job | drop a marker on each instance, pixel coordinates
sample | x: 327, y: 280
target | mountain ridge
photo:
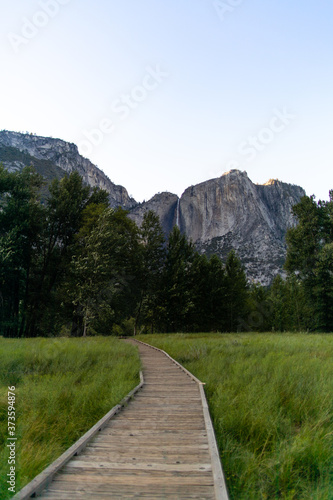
x: 231, y: 212
x: 66, y: 156
x: 218, y: 215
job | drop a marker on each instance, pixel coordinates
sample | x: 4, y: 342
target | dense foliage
x: 69, y: 264
x: 304, y: 300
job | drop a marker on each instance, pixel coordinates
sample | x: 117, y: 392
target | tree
x: 324, y: 288
x: 208, y: 290
x: 304, y: 240
x: 236, y: 295
x: 152, y: 245
x: 218, y: 295
x: 175, y: 298
x: 199, y: 317
x: 280, y: 306
x: 259, y: 310
x: 63, y: 217
x: 21, y: 223
x: 104, y: 269
x: 36, y: 238
x: 309, y: 257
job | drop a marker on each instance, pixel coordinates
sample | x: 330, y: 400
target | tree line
x: 69, y: 264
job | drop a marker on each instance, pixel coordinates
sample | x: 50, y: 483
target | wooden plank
x: 158, y: 447
x: 176, y: 363
x: 129, y: 494
x: 39, y: 483
x: 142, y: 458
x: 109, y: 431
x: 150, y: 441
x: 104, y: 479
x: 105, y: 465
x: 221, y: 491
x: 133, y: 491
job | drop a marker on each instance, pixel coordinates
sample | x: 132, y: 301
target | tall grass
x: 271, y: 400
x: 63, y: 387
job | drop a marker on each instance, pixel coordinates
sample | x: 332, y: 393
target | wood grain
x: 157, y: 447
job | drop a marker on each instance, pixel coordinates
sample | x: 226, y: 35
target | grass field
x: 271, y: 400
x: 63, y: 387
x: 270, y: 397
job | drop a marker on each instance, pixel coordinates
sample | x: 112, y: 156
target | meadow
x: 62, y: 387
x: 270, y: 398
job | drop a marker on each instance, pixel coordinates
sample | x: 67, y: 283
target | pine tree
x: 152, y: 261
x: 175, y: 299
x: 236, y: 295
x: 21, y: 224
x: 309, y: 257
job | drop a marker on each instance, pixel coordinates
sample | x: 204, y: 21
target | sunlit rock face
x: 233, y: 213
x: 65, y: 156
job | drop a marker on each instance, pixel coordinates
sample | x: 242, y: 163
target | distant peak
x: 271, y: 182
x: 234, y: 171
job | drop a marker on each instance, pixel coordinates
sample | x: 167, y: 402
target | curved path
x: 156, y: 448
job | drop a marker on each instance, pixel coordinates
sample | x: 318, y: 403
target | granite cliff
x: 63, y: 157
x: 230, y: 212
x: 164, y: 205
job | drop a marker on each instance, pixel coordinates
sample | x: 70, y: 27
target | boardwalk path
x: 157, y: 447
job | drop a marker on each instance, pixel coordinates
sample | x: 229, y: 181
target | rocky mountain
x: 230, y: 212
x: 54, y: 158
x: 164, y: 205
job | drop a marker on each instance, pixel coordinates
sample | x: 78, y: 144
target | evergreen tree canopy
x: 236, y: 285
x: 310, y: 257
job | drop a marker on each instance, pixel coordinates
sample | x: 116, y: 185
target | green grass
x: 63, y: 387
x: 271, y: 401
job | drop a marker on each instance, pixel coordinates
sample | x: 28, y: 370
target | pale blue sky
x: 192, y: 89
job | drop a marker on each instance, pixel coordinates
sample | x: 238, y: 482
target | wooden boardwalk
x: 157, y: 447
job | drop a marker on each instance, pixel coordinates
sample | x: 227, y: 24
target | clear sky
x: 164, y: 94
